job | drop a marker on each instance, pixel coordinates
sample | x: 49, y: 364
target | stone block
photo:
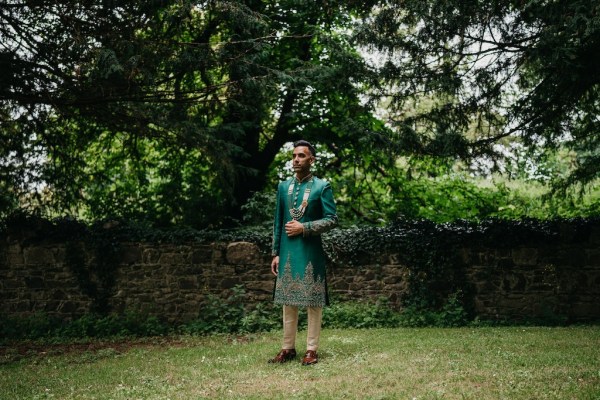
x: 185, y: 270
x: 38, y: 255
x: 481, y: 274
x: 14, y: 248
x: 136, y: 273
x: 369, y: 276
x: 12, y: 284
x: 228, y: 283
x: 517, y: 303
x: 593, y: 257
x: 594, y: 282
x: 188, y: 316
x: 595, y: 235
x: 188, y: 283
x: 62, y: 275
x: 465, y: 255
x: 243, y: 253
x: 525, y: 256
x: 22, y: 306
x: 250, y: 270
x: 392, y: 270
x: 51, y: 306
x: 395, y: 259
x: 218, y: 255
x: 585, y: 311
x: 172, y: 259
x: 390, y: 280
x: 514, y: 283
x: 69, y: 307
x: 60, y: 253
x: 479, y: 258
x: 202, y: 255
x: 220, y: 270
x: 503, y: 253
x: 260, y: 286
x: 14, y: 255
x: 578, y: 281
x: 131, y: 254
x: 150, y: 256
x: 35, y: 282
x: 505, y: 263
x: 572, y: 257
x: 340, y: 286
x: 58, y: 295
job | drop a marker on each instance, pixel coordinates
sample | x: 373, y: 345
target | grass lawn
x: 407, y: 363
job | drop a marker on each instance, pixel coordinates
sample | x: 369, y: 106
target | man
x: 305, y: 209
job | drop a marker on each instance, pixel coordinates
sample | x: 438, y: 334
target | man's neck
x: 302, y: 175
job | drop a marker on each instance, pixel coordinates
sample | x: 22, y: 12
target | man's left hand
x: 294, y: 228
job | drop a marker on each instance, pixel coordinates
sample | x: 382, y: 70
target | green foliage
x: 41, y: 326
x: 176, y: 115
x: 264, y: 317
x: 225, y: 316
x: 95, y: 278
x: 231, y: 316
x: 377, y: 192
x: 451, y: 314
x: 353, y: 314
x: 179, y: 115
x: 470, y: 80
x: 127, y: 324
x: 259, y: 209
x: 219, y: 314
x: 33, y: 327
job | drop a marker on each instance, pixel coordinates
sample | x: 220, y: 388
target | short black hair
x: 307, y: 144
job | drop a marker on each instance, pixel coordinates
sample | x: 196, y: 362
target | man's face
x: 302, y: 159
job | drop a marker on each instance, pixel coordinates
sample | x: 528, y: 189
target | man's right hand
x: 275, y: 265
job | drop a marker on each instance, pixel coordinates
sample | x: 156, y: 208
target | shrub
x: 452, y: 314
x: 220, y: 315
x: 41, y: 326
x: 360, y: 315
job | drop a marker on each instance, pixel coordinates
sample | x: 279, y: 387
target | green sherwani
x: 301, y: 279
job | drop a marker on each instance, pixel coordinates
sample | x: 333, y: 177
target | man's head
x: 303, y: 157
x: 311, y: 148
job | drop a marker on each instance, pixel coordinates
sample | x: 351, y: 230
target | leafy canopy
x: 178, y: 111
x: 463, y: 76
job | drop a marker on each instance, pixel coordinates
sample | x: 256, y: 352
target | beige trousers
x: 290, y: 327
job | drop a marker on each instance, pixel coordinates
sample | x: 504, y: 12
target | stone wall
x: 546, y: 281
x: 172, y: 281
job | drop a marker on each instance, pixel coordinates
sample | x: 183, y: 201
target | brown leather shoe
x: 284, y: 355
x: 310, y: 358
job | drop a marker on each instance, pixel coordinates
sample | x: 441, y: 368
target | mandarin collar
x: 305, y: 179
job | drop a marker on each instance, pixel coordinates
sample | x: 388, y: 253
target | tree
x: 462, y: 76
x: 176, y: 111
x: 114, y: 102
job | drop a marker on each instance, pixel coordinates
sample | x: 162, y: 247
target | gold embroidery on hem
x: 297, y: 291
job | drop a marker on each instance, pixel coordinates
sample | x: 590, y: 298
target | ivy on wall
x: 94, y: 260
x: 433, y: 251
x: 92, y: 253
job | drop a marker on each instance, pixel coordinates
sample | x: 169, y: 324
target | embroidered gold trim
x: 297, y: 291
